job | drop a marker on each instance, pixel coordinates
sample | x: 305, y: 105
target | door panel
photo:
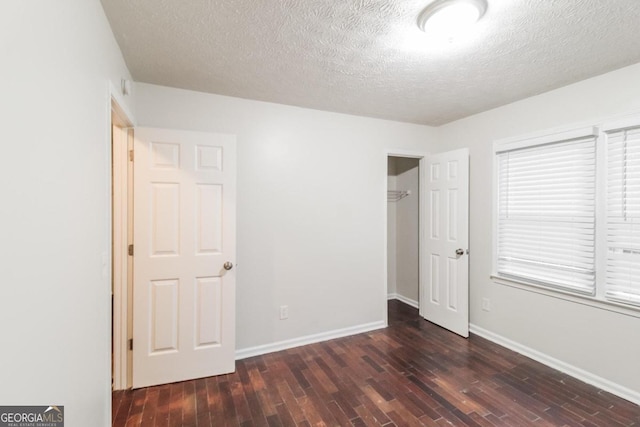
x: 445, y: 300
x: 184, y: 231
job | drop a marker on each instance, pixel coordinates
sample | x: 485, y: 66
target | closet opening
x: 403, y: 229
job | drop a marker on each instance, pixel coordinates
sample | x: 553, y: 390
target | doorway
x: 403, y: 229
x: 427, y: 235
x: 121, y: 235
x: 179, y: 322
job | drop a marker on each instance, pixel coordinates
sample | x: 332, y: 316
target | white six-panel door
x: 444, y: 296
x: 184, y: 232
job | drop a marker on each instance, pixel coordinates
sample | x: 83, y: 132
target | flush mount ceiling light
x: 450, y: 18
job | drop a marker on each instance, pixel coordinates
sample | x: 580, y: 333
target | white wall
x: 600, y: 342
x: 57, y: 59
x: 311, y: 207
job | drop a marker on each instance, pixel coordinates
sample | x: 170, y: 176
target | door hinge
x: 131, y: 155
x: 130, y: 343
x: 130, y: 250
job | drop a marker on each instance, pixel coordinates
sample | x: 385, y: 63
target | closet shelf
x: 395, y: 195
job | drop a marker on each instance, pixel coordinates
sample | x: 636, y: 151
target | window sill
x: 567, y: 296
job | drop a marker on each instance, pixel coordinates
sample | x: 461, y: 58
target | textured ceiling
x: 367, y: 57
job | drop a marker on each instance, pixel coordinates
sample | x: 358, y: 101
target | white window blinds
x: 623, y: 216
x: 546, y: 214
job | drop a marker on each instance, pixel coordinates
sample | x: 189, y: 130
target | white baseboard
x: 308, y: 339
x: 581, y: 374
x: 412, y: 303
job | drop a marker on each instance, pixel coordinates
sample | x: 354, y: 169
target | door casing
x: 120, y: 199
x: 422, y: 158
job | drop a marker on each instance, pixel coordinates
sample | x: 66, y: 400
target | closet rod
x: 395, y: 195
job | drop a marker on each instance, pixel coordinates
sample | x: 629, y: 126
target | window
x: 623, y: 215
x: 547, y: 228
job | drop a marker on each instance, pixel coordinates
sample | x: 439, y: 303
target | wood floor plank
x: 175, y: 405
x: 290, y: 402
x: 424, y: 407
x: 485, y: 401
x: 189, y: 404
x: 215, y: 398
x: 257, y: 414
x: 285, y: 415
x: 116, y: 399
x: 162, y: 410
x: 310, y: 412
x: 412, y: 373
x: 203, y: 417
x: 150, y: 408
x: 126, y: 400
x: 345, y: 405
x: 229, y: 414
x: 481, y: 420
x: 341, y: 418
x: 135, y: 412
x: 274, y: 420
x: 375, y: 410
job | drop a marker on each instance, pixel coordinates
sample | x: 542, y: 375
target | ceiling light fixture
x: 450, y: 18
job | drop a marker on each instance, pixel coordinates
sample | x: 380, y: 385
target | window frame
x: 598, y: 129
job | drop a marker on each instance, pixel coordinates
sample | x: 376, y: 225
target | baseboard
x: 581, y: 374
x: 308, y: 339
x: 412, y: 303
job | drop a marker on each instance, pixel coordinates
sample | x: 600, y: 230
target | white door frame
x: 119, y: 237
x: 422, y: 157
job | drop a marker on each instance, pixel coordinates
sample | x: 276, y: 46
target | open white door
x: 184, y: 233
x: 444, y: 296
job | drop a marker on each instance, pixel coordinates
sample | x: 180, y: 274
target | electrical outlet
x: 486, y: 304
x: 284, y: 312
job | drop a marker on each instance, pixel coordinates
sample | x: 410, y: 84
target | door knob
x: 227, y: 265
x: 459, y: 252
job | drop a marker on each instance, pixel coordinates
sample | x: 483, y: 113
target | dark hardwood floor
x: 412, y: 373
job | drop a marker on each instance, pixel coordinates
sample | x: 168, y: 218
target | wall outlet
x: 486, y: 304
x: 284, y: 312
